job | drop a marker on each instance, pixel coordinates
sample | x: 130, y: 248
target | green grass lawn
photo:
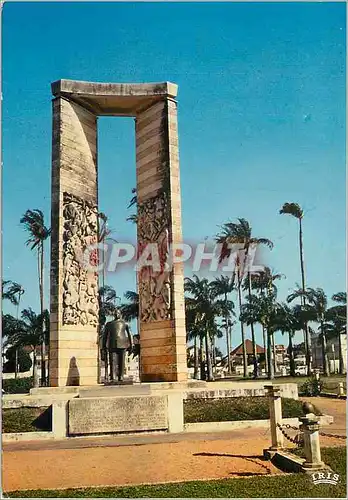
x: 27, y: 419
x: 241, y: 408
x: 286, y: 486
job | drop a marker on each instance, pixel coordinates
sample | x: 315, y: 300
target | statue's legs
x: 117, y: 364
x: 121, y: 362
x: 113, y: 366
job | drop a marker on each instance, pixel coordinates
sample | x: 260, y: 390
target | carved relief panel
x: 80, y: 285
x: 154, y: 280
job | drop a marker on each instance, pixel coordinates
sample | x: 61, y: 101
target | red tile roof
x: 248, y: 347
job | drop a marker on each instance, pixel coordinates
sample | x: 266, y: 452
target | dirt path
x: 334, y: 407
x: 102, y: 464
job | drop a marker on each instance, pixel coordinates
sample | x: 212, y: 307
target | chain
x: 338, y: 436
x: 288, y: 426
x: 298, y: 439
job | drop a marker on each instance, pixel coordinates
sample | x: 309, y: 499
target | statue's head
x: 118, y: 314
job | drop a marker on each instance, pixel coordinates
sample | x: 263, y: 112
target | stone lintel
x: 114, y: 99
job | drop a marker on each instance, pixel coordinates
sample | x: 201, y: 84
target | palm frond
x: 293, y: 209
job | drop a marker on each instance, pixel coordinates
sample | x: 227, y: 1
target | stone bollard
x: 340, y: 389
x: 275, y: 415
x: 310, y: 428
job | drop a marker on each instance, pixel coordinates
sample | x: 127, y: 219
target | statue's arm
x: 130, y: 338
x: 105, y: 337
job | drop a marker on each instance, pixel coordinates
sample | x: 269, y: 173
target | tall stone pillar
x: 162, y: 312
x: 74, y: 306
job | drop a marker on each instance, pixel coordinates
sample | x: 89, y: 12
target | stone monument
x: 74, y: 289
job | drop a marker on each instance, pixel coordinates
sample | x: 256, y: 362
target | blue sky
x: 261, y: 108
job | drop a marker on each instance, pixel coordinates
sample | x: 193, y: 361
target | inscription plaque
x: 118, y: 414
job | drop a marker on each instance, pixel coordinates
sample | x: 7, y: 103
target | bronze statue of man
x: 116, y: 340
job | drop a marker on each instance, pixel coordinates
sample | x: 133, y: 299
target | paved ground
x: 334, y: 407
x: 147, y: 459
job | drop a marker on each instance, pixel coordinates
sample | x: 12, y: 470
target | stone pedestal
x: 340, y: 389
x: 310, y: 428
x: 275, y: 415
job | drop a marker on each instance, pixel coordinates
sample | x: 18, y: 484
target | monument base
x: 119, y: 382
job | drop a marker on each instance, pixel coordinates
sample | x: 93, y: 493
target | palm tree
x: 336, y: 324
x: 296, y: 211
x: 263, y: 309
x: 194, y: 331
x: 264, y: 282
x: 11, y: 291
x: 208, y: 308
x: 30, y: 332
x: 107, y: 303
x: 130, y: 310
x: 224, y: 286
x: 10, y: 328
x: 103, y: 236
x: 240, y: 233
x: 290, y: 320
x: 34, y: 224
x: 134, y: 200
x: 314, y: 308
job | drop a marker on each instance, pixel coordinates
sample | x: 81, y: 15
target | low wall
x: 237, y: 390
x: 9, y: 376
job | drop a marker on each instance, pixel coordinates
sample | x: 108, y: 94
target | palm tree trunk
x: 264, y: 338
x: 230, y: 338
x: 228, y: 346
x: 274, y: 355
x: 208, y: 357
x: 35, y: 374
x: 324, y: 353
x: 340, y: 356
x: 196, y: 359
x: 270, y: 370
x: 265, y: 347
x: 201, y: 348
x: 303, y: 300
x: 253, y: 334
x: 16, y: 352
x: 291, y: 356
x: 228, y: 349
x: 43, y: 346
x: 16, y: 362
x: 245, y: 361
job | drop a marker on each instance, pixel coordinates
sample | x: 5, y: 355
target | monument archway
x: 73, y: 356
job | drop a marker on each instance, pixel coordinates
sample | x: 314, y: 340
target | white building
x: 332, y: 352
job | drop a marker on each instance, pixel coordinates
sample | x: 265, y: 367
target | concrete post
x: 310, y: 428
x: 60, y: 419
x: 275, y: 415
x: 340, y: 389
x: 175, y: 412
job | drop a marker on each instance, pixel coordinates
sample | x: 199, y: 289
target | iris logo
x: 325, y: 478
